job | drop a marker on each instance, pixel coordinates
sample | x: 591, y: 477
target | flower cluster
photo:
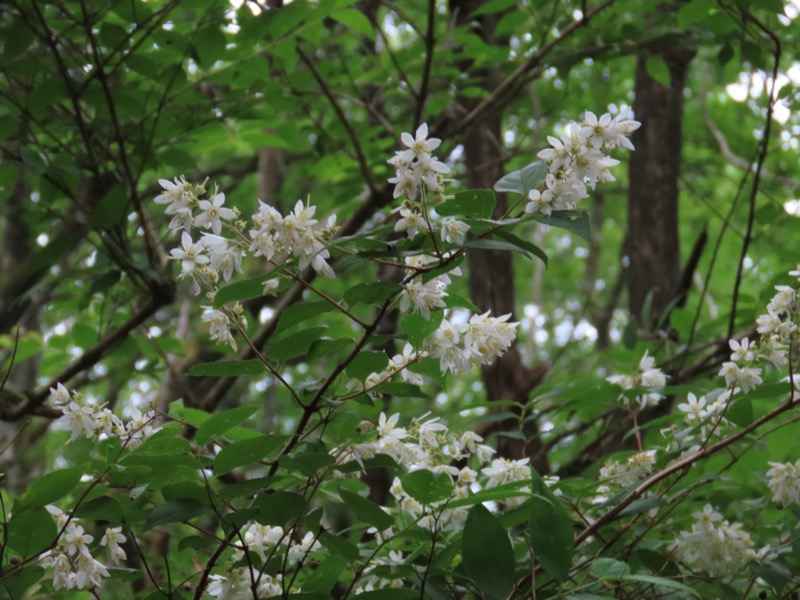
x: 428, y: 445
x: 784, y: 483
x: 705, y: 412
x: 777, y: 327
x: 578, y: 160
x: 276, y: 237
x: 238, y: 585
x: 616, y: 475
x: 72, y: 562
x: 416, y: 165
x: 646, y: 376
x: 424, y: 296
x: 714, y: 545
x: 418, y: 181
x: 739, y: 372
x: 85, y: 418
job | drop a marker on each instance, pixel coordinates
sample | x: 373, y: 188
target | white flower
x: 410, y: 222
x: 113, y: 538
x: 387, y: 429
x: 714, y: 545
x: 213, y: 212
x: 744, y: 351
x: 219, y: 326
x: 454, y: 231
x: 420, y: 145
x: 694, y: 409
x: 784, y: 483
x: 60, y: 394
x: 76, y: 541
x: 271, y: 286
x: 423, y: 296
x: 191, y: 255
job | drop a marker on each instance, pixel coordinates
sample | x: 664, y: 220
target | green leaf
x: 324, y: 577
x: 662, y: 582
x: 552, y: 538
x: 777, y: 575
x: 693, y: 12
x: 609, y: 569
x: 297, y: 313
x: 279, y: 508
x: 17, y: 585
x: 339, y: 546
x: 307, y: 464
x: 51, y: 487
x: 453, y: 300
x: 658, y: 70
x: 175, y: 511
x: 487, y: 554
x: 575, y: 221
x: 522, y: 244
x: 371, y: 293
x: 354, y: 20
x: 228, y: 368
x: 288, y: 346
x: 366, y: 510
x: 366, y: 363
x: 472, y: 203
x: 241, y: 290
x: 390, y: 594
x: 524, y: 180
x: 247, y: 452
x: 31, y: 531
x: 417, y: 328
x: 112, y: 208
x: 222, y: 422
x: 426, y: 487
x: 102, y: 508
x: 489, y: 244
x: 741, y: 412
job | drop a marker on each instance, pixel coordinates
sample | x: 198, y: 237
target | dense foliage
x: 255, y: 336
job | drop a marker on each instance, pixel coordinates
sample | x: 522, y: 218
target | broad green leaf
x: 228, y: 368
x: 609, y: 569
x: 453, y: 300
x: 112, y: 208
x: 17, y: 585
x: 490, y: 244
x: 366, y: 510
x: 776, y: 574
x: 552, y: 538
x: 390, y: 594
x: 663, y: 582
x: 31, y: 531
x: 220, y: 423
x: 279, y: 508
x: 740, y: 412
x: 487, y: 555
x: 339, y: 546
x: 174, y: 511
x: 524, y: 180
x: 426, y: 487
x: 52, y: 486
x: 241, y: 290
x: 417, y: 328
x: 355, y: 20
x: 365, y: 363
x: 469, y: 203
x: 658, y: 70
x: 576, y: 222
x: 400, y: 389
x: 324, y: 347
x: 371, y: 293
x: 307, y: 464
x: 247, y: 452
x: 324, y: 577
x: 293, y: 344
x: 103, y: 508
x: 522, y: 244
x: 300, y: 312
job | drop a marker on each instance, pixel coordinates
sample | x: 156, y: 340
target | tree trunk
x: 652, y: 243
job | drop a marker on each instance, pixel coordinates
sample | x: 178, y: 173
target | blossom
x: 694, y: 408
x: 213, y: 212
x: 647, y: 376
x: 454, y: 231
x: 784, y: 483
x: 191, y: 255
x: 714, y: 545
x: 113, y: 538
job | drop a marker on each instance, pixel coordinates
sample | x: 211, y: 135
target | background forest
x: 279, y: 101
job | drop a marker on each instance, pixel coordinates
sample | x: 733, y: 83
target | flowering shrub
x: 291, y: 512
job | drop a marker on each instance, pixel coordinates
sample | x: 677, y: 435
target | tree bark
x: 652, y: 245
